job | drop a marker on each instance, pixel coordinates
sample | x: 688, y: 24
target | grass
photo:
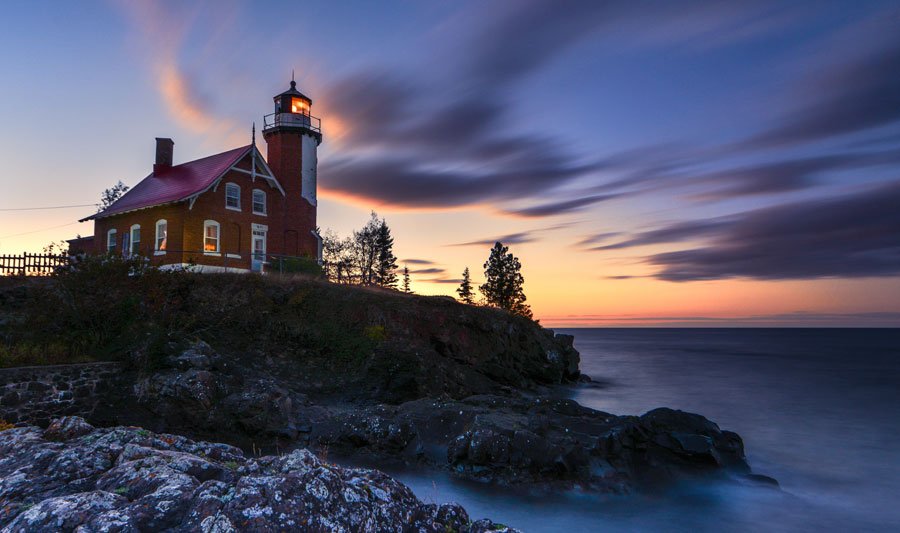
x: 114, y: 308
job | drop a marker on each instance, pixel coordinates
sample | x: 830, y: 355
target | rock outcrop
x: 511, y: 439
x: 73, y: 477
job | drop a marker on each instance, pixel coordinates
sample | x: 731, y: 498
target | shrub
x: 296, y: 265
x: 376, y: 333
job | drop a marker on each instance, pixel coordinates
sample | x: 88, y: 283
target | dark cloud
x: 858, y: 94
x: 451, y: 143
x: 412, y: 183
x: 850, y: 236
x: 433, y: 270
x: 598, y: 238
x: 679, y: 232
x: 417, y: 261
x: 560, y: 208
x: 513, y: 238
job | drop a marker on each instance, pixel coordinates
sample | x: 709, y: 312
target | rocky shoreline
x: 74, y: 477
x: 509, y: 437
x: 373, y: 377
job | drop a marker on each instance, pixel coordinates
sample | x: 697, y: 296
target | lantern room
x: 292, y: 101
x: 292, y: 110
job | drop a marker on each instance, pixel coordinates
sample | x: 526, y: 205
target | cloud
x: 850, y: 236
x: 681, y: 231
x: 598, y: 238
x: 513, y: 238
x: 417, y: 261
x: 451, y: 141
x: 433, y: 270
x: 560, y: 208
x: 164, y: 30
x: 858, y: 94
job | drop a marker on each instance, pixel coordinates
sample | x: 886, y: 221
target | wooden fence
x: 31, y: 264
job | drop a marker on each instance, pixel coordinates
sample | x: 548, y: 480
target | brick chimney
x: 164, y: 149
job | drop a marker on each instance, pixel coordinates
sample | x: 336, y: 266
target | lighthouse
x: 293, y: 136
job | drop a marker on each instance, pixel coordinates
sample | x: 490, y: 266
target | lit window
x: 162, y: 234
x: 299, y: 105
x: 233, y: 196
x: 210, y: 236
x: 111, y: 241
x: 135, y: 239
x: 259, y: 202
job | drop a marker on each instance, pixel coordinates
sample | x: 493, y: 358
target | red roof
x: 176, y: 183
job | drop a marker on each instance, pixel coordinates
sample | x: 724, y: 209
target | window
x: 233, y: 196
x: 210, y: 236
x: 162, y: 233
x: 259, y: 202
x: 111, y: 241
x: 299, y: 105
x: 135, y: 239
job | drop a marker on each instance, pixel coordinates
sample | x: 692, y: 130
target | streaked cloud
x: 850, y: 236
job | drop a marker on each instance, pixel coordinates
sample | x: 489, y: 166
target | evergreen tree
x: 503, y: 282
x: 406, y: 279
x: 386, y: 263
x: 466, y: 294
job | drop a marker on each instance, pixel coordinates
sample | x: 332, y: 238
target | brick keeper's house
x: 231, y: 210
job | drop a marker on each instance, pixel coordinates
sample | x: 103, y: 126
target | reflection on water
x: 818, y: 410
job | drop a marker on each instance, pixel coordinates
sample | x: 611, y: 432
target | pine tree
x: 466, y: 294
x: 503, y: 282
x: 386, y: 262
x: 406, y: 279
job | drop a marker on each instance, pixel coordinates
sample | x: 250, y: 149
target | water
x: 818, y: 409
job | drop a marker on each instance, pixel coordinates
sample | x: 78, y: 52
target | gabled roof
x: 177, y: 183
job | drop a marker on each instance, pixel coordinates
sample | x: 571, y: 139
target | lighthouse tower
x: 293, y: 135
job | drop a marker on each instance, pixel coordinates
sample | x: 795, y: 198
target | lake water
x: 818, y: 409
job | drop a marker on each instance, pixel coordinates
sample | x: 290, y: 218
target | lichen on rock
x: 73, y: 477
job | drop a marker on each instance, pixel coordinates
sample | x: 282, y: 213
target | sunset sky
x: 650, y: 163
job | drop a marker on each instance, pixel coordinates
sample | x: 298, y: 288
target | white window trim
x: 206, y: 224
x: 238, y: 187
x: 114, y: 234
x: 265, y: 203
x: 156, y: 250
x: 131, y: 239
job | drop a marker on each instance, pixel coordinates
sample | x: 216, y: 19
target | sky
x: 650, y: 163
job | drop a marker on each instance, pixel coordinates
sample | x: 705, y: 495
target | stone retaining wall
x: 35, y: 395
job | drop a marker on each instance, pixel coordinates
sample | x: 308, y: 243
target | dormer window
x: 259, y: 202
x: 233, y: 196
